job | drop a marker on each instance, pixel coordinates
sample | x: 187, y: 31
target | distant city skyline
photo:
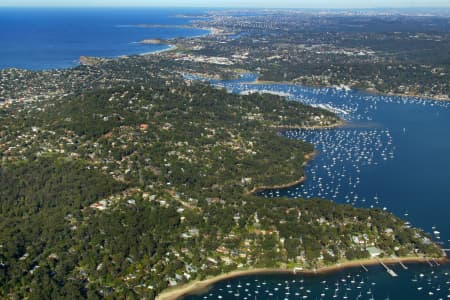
x: 230, y: 3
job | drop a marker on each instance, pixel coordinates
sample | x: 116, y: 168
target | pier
x: 403, y: 265
x: 364, y: 267
x: 389, y: 270
x: 435, y: 261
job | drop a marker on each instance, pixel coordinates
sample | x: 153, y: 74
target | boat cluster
x: 336, y: 172
x: 347, y: 155
x: 351, y: 105
x: 347, y: 287
x: 432, y: 284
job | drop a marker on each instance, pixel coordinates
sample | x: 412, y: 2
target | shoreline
x: 339, y: 123
x: 369, y: 91
x: 377, y: 92
x: 202, y: 285
x: 76, y: 62
x: 199, y: 286
x: 308, y: 157
x: 169, y: 48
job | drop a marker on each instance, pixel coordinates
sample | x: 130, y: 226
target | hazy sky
x: 234, y: 3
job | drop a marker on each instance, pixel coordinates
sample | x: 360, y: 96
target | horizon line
x: 224, y: 7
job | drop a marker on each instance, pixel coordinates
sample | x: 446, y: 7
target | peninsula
x: 121, y: 178
x: 132, y: 189
x: 387, y: 53
x: 200, y: 286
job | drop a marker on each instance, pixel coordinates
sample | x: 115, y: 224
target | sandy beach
x: 211, y: 31
x: 199, y: 286
x: 169, y: 48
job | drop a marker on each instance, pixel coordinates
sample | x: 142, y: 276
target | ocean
x: 49, y: 38
x: 391, y: 154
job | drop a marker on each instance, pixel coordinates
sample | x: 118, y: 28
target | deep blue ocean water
x: 48, y: 38
x: 392, y: 154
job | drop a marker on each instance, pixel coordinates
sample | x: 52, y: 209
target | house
x: 101, y: 205
x: 143, y: 126
x: 374, y: 251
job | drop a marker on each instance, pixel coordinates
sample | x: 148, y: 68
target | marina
x: 389, y: 156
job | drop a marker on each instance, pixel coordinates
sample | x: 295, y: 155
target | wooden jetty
x: 403, y: 265
x: 389, y: 270
x: 436, y: 262
x: 364, y: 267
